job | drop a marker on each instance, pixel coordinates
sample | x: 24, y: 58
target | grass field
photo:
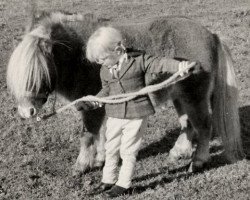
x: 36, y: 159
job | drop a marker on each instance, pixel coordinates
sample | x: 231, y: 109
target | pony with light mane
x: 51, y: 57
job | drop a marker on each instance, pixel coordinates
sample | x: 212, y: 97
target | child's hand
x: 96, y: 104
x: 88, y: 105
x: 185, y: 65
x: 197, y: 68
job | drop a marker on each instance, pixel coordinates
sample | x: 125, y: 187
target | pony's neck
x: 75, y: 75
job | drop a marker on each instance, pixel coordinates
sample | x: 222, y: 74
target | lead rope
x: 120, y: 98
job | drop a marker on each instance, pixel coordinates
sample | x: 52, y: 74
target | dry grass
x: 36, y: 158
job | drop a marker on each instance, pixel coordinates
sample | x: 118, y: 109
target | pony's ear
x: 35, y: 17
x: 46, y: 46
x: 32, y: 9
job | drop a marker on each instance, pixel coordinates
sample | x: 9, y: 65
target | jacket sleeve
x: 154, y: 64
x: 105, y: 87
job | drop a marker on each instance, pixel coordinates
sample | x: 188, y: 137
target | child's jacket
x: 131, y: 78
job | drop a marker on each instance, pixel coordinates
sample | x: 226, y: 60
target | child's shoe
x: 102, y: 187
x: 117, y: 191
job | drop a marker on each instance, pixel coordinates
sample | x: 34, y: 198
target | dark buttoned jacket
x: 131, y: 78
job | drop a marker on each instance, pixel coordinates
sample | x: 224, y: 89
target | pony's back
x: 172, y: 37
x: 175, y: 37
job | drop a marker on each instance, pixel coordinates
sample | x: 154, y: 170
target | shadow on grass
x: 162, y: 146
x: 244, y: 113
x: 165, y: 144
x: 166, y: 177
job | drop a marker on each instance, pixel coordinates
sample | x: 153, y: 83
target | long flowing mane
x: 28, y: 65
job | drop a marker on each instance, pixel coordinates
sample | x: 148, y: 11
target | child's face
x: 109, y: 59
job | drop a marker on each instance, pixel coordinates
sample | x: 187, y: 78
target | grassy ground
x: 36, y: 158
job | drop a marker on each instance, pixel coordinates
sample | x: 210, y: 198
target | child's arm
x: 154, y: 64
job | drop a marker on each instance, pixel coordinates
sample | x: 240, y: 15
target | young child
x: 123, y: 72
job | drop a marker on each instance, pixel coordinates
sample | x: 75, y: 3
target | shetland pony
x: 51, y: 57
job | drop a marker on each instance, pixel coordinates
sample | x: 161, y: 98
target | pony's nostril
x: 32, y: 111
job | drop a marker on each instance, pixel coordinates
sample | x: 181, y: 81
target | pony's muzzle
x: 27, y: 112
x: 32, y: 111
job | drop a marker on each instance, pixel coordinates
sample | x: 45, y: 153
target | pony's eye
x: 43, y: 100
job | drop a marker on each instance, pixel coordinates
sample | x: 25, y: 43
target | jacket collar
x: 126, y: 65
x: 131, y: 53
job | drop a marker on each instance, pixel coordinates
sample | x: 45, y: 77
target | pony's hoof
x: 99, y: 164
x: 172, y: 159
x: 76, y: 173
x: 80, y: 168
x: 196, y: 166
x: 174, y: 156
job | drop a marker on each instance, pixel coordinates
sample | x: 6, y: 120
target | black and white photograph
x: 115, y: 99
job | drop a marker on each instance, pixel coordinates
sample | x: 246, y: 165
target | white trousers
x: 124, y: 135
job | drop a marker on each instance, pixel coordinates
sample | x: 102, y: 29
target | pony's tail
x: 225, y: 105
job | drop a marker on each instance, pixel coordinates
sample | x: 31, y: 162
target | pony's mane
x: 28, y: 67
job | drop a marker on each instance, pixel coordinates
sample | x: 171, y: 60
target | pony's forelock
x: 28, y: 67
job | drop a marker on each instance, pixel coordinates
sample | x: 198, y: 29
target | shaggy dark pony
x: 51, y: 57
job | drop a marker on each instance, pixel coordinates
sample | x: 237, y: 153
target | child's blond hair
x: 103, y: 41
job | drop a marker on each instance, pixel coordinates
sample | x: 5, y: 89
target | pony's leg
x: 100, y: 142
x: 86, y: 157
x: 183, y: 146
x: 92, y: 121
x: 200, y: 119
